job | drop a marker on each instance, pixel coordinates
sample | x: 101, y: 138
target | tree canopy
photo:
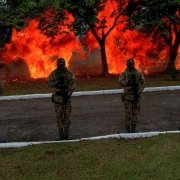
x: 15, y: 13
x: 158, y: 17
x: 153, y: 16
x: 80, y: 17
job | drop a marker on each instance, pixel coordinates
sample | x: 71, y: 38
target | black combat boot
x: 66, y: 132
x: 61, y: 134
x: 133, y: 128
x: 127, y: 128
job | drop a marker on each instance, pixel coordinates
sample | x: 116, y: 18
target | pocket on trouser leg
x: 57, y: 99
x: 129, y: 98
x: 136, y: 109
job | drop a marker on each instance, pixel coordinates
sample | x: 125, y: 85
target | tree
x: 5, y: 29
x: 84, y: 14
x: 9, y: 18
x: 158, y: 17
x: 14, y: 14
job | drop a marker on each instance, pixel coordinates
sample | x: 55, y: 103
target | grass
x: 83, y: 84
x: 110, y: 159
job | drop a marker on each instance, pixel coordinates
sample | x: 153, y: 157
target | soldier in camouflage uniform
x: 1, y: 87
x: 133, y: 83
x: 64, y: 83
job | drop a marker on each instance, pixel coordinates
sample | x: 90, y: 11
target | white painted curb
x: 118, y: 136
x: 100, y: 92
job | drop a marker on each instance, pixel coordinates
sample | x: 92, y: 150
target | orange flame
x: 40, y: 52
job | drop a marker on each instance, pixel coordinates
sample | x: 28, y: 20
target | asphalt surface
x: 92, y: 115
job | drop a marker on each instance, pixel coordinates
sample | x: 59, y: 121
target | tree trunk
x: 173, y: 50
x: 102, y: 44
x: 103, y: 58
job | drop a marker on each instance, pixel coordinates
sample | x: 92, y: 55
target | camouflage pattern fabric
x: 51, y: 80
x: 123, y: 78
x: 62, y: 109
x: 132, y: 110
x: 1, y: 87
x: 131, y: 105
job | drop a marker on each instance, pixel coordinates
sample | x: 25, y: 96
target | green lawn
x: 39, y: 86
x: 108, y: 159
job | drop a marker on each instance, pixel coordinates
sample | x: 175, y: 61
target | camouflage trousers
x: 132, y: 110
x: 63, y: 111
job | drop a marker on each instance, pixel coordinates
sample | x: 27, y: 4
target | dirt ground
x: 92, y: 115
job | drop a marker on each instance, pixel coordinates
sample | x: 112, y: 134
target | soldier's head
x: 130, y: 63
x: 61, y: 63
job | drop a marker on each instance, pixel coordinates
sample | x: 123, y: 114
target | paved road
x: 92, y: 115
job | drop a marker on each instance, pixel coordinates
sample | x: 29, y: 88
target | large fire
x: 38, y: 53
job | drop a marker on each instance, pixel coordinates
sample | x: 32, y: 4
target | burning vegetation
x: 31, y: 54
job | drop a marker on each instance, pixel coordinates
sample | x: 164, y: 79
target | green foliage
x: 157, y: 17
x: 137, y: 159
x: 78, y: 16
x: 154, y: 14
x: 83, y: 11
x: 14, y: 12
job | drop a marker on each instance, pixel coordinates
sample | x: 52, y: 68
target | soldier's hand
x: 56, y: 84
x: 125, y: 82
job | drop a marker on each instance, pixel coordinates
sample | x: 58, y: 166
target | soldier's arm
x: 142, y: 83
x: 51, y: 81
x: 122, y: 79
x: 72, y: 83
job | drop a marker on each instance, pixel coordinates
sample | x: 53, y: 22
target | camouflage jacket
x: 123, y: 79
x: 52, y: 79
x: 1, y: 87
